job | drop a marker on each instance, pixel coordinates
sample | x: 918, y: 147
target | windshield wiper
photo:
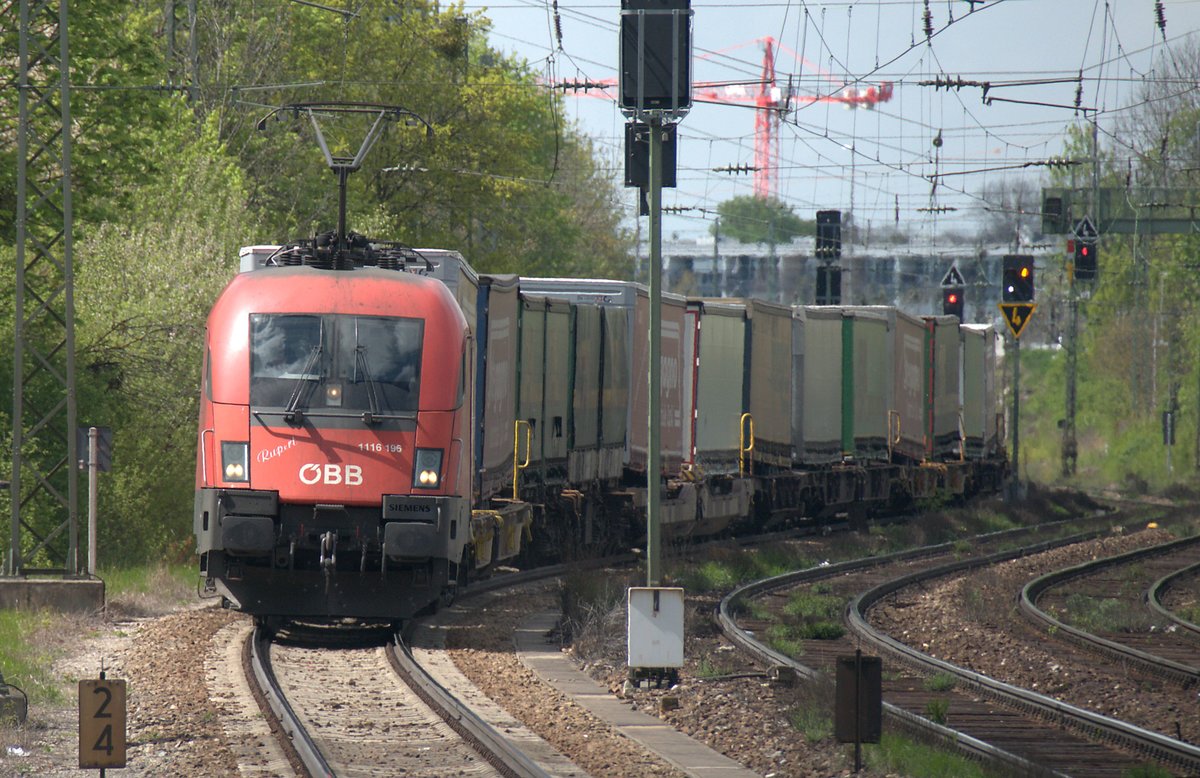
x: 303, y: 388
x: 360, y: 356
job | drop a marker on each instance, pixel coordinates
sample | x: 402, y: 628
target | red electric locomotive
x: 335, y: 453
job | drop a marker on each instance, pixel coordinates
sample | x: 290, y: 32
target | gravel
x: 175, y: 723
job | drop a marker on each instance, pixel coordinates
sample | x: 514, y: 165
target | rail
x: 949, y: 738
x: 1187, y: 675
x: 302, y: 743
x: 493, y: 746
x: 1137, y: 739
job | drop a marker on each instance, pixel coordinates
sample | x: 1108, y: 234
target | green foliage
x: 501, y: 179
x: 167, y: 189
x: 146, y: 288
x: 899, y: 756
x: 812, y: 721
x: 1105, y: 614
x: 936, y: 710
x: 726, y: 568
x: 26, y: 653
x: 786, y: 639
x: 752, y: 219
x: 941, y: 682
x: 710, y: 668
x: 1146, y: 771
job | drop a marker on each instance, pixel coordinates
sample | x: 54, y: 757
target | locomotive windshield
x: 350, y: 364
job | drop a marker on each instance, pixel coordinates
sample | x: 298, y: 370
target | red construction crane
x: 771, y: 100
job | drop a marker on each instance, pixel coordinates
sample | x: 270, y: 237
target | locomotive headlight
x: 333, y: 395
x: 427, y: 468
x: 235, y: 460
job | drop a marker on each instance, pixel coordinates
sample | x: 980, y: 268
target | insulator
x: 557, y: 25
x: 928, y: 21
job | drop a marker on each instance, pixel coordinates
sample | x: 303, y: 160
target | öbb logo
x: 331, y: 475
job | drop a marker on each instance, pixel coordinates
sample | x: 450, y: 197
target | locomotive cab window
x: 337, y: 364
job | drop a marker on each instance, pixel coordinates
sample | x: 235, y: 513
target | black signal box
x: 1017, y: 279
x: 656, y: 55
x: 637, y: 154
x: 829, y: 234
x: 952, y: 301
x: 829, y: 285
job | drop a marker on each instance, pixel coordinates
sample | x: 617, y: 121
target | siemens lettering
x: 331, y: 475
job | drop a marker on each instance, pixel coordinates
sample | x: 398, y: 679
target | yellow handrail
x: 893, y: 439
x: 743, y: 449
x: 518, y: 465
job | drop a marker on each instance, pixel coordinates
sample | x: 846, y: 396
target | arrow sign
x: 1017, y: 315
x: 953, y: 277
x: 1085, y: 230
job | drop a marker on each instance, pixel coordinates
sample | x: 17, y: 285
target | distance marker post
x: 101, y: 723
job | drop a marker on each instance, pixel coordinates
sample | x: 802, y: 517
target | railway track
x: 1163, y: 590
x: 371, y: 710
x: 1127, y: 581
x: 1004, y: 725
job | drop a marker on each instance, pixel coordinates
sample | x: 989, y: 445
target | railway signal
x: 952, y: 301
x: 1086, y: 250
x: 829, y: 285
x: 1017, y: 279
x: 829, y: 234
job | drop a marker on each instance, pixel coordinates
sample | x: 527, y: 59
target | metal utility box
x: 980, y: 420
x: 770, y: 355
x: 716, y: 350
x: 655, y: 627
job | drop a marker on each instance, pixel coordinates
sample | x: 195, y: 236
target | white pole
x: 93, y: 469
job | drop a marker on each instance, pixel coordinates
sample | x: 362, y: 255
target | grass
x: 727, y: 568
x: 936, y: 710
x: 786, y: 639
x: 1146, y: 771
x: 29, y: 644
x: 150, y: 589
x: 941, y: 682
x: 897, y: 755
x: 707, y: 668
x: 1105, y: 614
x: 31, y: 641
x: 812, y: 722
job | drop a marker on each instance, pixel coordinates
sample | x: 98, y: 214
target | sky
x: 881, y: 163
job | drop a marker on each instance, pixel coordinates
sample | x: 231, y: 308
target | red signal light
x: 952, y: 298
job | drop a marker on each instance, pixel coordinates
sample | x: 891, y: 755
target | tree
x: 755, y: 220
x: 144, y: 293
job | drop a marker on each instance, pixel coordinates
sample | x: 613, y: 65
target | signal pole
x: 654, y: 455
